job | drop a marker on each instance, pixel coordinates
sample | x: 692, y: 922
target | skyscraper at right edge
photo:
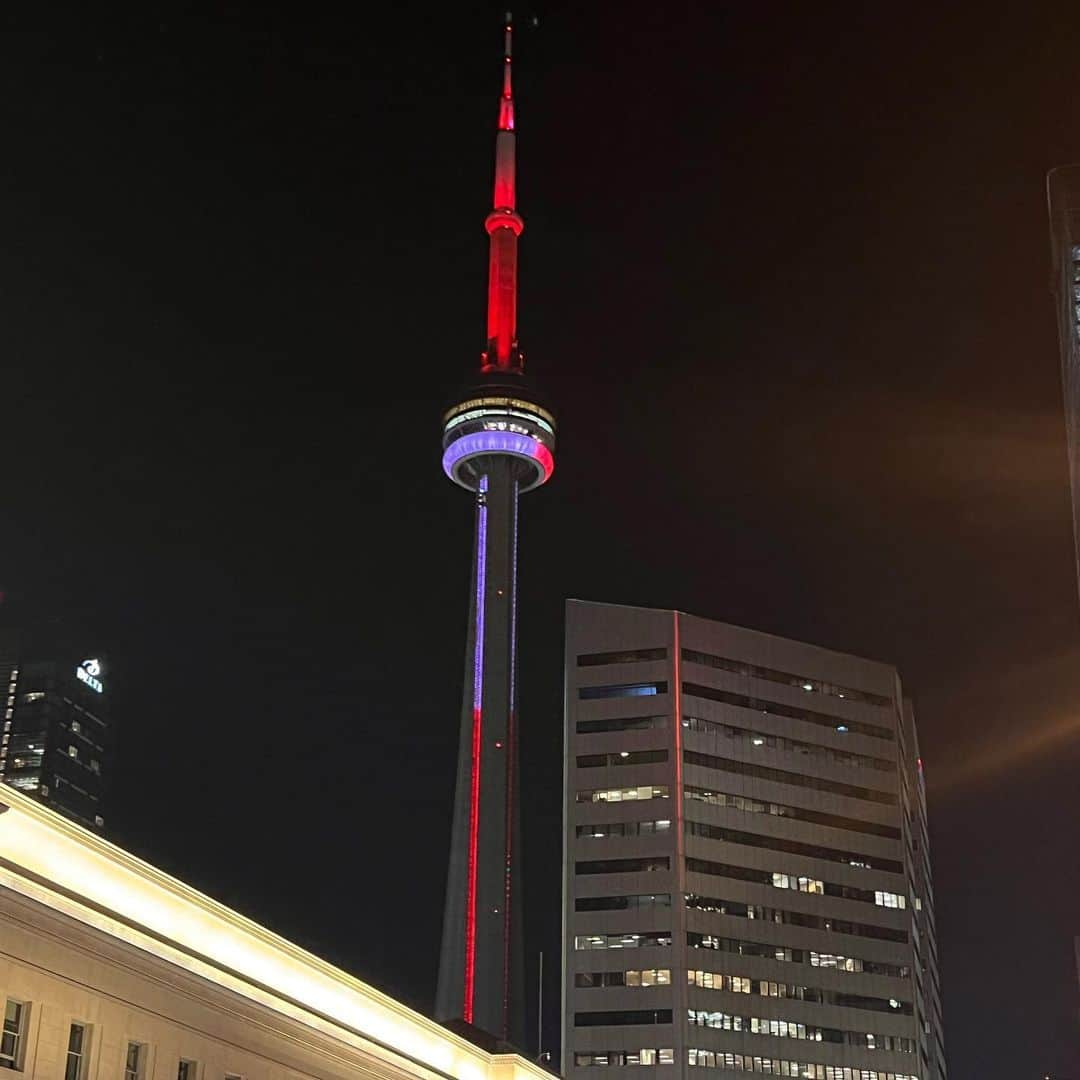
x: 1063, y: 199
x: 746, y: 881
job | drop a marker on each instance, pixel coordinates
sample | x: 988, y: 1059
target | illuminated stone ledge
x: 90, y: 934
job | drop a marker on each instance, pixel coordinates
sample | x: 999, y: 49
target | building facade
x: 747, y: 880
x: 112, y: 970
x: 498, y: 443
x: 1063, y: 199
x: 56, y: 739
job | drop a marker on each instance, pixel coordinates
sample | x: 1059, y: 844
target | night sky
x: 785, y: 273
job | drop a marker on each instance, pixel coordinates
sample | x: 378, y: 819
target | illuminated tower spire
x: 498, y: 441
x: 504, y: 226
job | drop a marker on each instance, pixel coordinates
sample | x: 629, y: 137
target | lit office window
x: 622, y: 941
x: 619, y: 1058
x: 626, y: 794
x: 890, y: 899
x: 594, y: 693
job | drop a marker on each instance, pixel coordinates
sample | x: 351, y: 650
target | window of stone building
x: 77, y: 1052
x: 135, y: 1062
x: 12, y: 1034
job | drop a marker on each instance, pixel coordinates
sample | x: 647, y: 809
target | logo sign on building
x: 88, y: 672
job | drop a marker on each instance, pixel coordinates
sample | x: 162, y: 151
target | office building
x: 747, y: 880
x: 56, y: 738
x: 112, y: 970
x: 1063, y: 198
x: 498, y: 441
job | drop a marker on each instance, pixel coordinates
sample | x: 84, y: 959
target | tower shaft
x: 480, y: 969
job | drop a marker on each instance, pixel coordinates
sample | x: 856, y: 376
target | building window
x: 622, y: 828
x: 624, y: 723
x: 798, y: 813
x: 783, y: 776
x: 186, y: 1070
x: 593, y: 693
x: 722, y: 1059
x: 785, y: 678
x: 622, y: 757
x: 784, y: 881
x: 626, y: 794
x: 78, y: 1048
x: 623, y: 866
x: 646, y: 978
x: 890, y: 899
x: 770, y: 741
x: 792, y: 847
x: 11, y: 1035
x: 622, y: 1017
x: 135, y: 1062
x: 619, y: 1058
x: 76, y: 727
x: 796, y: 956
x: 622, y: 903
x: 631, y: 656
x: 586, y: 942
x: 740, y: 984
x: 73, y: 752
x: 793, y: 918
x: 793, y: 712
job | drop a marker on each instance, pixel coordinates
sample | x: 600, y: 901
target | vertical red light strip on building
x: 478, y: 715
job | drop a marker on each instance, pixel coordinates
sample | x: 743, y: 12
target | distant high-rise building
x: 56, y: 738
x: 747, y: 878
x: 498, y: 443
x: 1063, y: 198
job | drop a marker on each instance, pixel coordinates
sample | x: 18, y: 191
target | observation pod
x: 499, y: 418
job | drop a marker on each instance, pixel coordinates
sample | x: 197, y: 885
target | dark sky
x: 785, y: 272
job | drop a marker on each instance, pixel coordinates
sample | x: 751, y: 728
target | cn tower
x: 498, y: 442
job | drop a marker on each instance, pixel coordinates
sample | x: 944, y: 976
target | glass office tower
x: 746, y: 879
x: 55, y: 737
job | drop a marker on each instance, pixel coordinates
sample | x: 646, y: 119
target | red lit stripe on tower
x: 477, y: 730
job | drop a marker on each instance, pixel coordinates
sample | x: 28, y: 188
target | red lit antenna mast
x: 504, y: 226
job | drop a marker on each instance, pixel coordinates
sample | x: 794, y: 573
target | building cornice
x: 69, y: 870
